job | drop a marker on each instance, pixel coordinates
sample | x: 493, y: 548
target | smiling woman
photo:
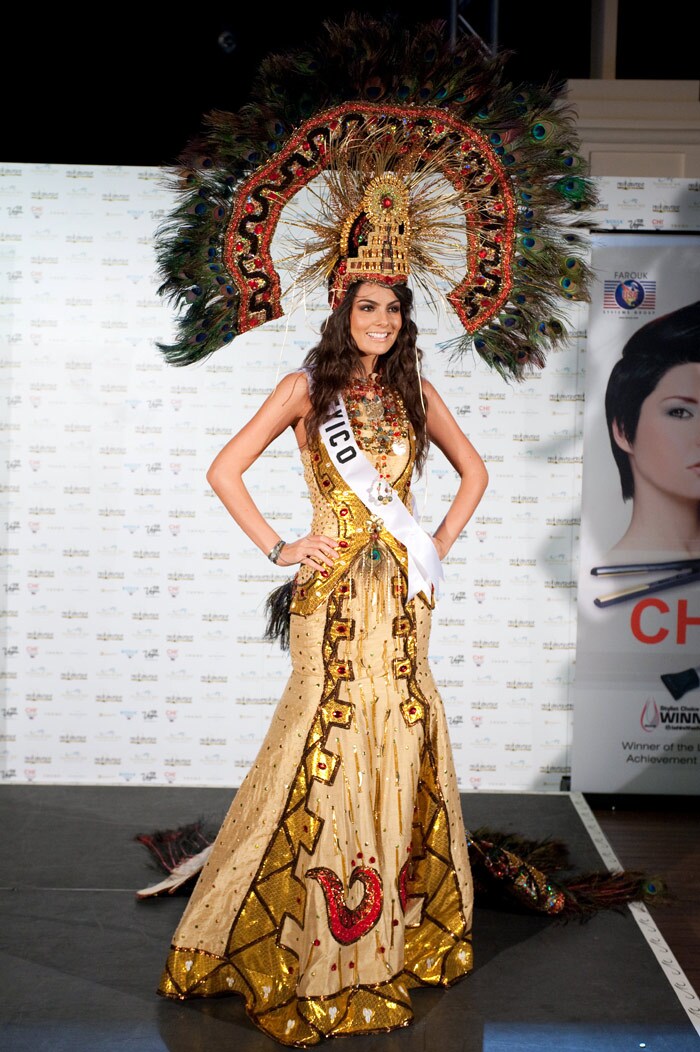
x: 653, y: 411
x: 375, y: 319
x: 340, y: 877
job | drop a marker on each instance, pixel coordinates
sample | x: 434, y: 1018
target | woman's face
x: 666, y: 449
x: 375, y: 318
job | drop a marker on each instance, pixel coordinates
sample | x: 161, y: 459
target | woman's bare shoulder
x: 431, y: 394
x: 295, y: 386
x: 429, y: 388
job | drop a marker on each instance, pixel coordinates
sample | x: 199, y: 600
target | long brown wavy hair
x: 336, y: 359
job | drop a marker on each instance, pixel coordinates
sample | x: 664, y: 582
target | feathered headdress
x: 412, y: 154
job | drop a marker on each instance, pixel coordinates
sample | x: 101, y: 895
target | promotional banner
x: 637, y: 681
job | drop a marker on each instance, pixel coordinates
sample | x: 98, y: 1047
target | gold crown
x: 374, y: 242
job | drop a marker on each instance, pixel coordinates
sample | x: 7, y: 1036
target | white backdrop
x: 133, y: 619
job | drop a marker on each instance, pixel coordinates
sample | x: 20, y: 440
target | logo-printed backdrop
x: 133, y: 648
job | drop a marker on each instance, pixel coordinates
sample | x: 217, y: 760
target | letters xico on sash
x: 343, y: 438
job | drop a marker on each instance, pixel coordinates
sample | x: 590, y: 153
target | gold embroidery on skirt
x: 262, y: 969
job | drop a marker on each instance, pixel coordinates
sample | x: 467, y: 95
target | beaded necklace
x: 379, y: 421
x: 378, y: 417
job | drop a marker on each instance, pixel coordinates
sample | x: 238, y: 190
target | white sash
x: 424, y: 566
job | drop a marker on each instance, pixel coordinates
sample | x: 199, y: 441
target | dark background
x: 128, y: 85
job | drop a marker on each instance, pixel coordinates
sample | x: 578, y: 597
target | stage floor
x: 80, y: 957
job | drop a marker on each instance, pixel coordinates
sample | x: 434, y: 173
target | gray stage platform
x: 80, y: 957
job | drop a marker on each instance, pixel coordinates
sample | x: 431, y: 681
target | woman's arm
x: 447, y: 435
x: 287, y: 404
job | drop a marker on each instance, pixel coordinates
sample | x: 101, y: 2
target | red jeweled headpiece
x: 470, y: 186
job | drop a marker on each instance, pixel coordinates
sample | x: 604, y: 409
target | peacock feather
x: 494, y: 173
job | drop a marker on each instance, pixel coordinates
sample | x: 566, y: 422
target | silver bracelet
x: 274, y: 555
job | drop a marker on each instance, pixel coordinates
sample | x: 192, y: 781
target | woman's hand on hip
x: 314, y: 550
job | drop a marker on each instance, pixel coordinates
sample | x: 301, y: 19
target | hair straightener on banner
x: 688, y: 571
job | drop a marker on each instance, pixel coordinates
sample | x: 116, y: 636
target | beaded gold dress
x: 340, y: 877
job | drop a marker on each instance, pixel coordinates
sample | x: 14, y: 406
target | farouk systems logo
x: 628, y: 293
x: 650, y: 716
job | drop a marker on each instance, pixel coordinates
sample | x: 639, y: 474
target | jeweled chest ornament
x: 381, y: 491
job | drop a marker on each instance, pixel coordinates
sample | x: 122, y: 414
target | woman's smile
x: 375, y: 318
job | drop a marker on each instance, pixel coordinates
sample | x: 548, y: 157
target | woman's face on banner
x: 666, y: 449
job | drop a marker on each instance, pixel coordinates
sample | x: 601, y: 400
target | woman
x: 652, y: 407
x: 340, y: 877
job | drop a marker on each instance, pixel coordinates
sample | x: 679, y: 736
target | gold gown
x: 340, y: 877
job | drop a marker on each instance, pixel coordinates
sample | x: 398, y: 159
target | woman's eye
x: 679, y: 412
